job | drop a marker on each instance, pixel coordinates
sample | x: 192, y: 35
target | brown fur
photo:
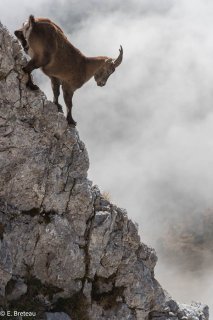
x: 51, y: 51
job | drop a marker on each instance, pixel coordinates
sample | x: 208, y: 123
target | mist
x: 149, y: 130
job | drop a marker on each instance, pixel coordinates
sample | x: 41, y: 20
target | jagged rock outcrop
x: 65, y: 251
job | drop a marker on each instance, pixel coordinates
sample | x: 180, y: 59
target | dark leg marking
x: 68, y: 94
x: 55, y: 83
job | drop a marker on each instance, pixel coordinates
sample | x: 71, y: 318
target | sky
x: 149, y: 130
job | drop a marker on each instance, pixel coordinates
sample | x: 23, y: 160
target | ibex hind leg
x: 55, y: 83
x: 30, y: 84
x: 68, y: 94
x: 70, y: 119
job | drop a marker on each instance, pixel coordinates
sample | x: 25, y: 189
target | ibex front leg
x: 20, y: 36
x: 32, y: 65
x: 68, y: 94
x: 35, y: 63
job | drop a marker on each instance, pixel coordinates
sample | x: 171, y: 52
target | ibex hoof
x: 60, y: 109
x: 71, y: 122
x: 24, y: 69
x: 32, y: 86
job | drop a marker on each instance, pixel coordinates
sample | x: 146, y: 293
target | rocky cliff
x: 65, y: 251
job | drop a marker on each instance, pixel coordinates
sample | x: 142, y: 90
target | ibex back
x: 51, y: 51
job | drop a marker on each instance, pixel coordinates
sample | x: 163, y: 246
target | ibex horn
x: 118, y: 61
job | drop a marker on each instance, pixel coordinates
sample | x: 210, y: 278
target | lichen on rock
x: 65, y: 251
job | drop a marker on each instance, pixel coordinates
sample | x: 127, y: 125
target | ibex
x: 51, y: 51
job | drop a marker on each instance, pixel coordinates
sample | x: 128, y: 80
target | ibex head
x: 102, y: 75
x: 19, y: 34
x: 23, y: 33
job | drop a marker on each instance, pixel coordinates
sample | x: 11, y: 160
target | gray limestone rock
x: 57, y: 316
x: 65, y: 251
x: 18, y: 289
